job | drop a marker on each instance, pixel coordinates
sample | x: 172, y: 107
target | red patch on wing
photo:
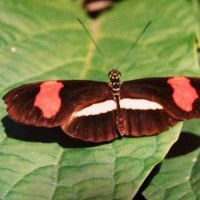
x: 48, y: 99
x: 184, y: 94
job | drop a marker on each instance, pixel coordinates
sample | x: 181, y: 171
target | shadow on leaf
x: 186, y: 143
x: 42, y: 134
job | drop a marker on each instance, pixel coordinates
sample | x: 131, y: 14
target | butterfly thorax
x: 115, y: 83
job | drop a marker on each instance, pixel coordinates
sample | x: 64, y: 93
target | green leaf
x: 178, y: 178
x: 42, y: 40
x: 45, y: 171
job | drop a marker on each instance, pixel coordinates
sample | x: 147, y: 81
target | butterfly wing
x: 178, y: 98
x: 54, y: 103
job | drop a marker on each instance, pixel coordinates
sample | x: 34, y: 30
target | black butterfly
x: 97, y: 111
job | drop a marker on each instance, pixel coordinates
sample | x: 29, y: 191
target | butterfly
x: 99, y: 111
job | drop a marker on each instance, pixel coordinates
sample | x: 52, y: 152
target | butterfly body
x: 97, y: 111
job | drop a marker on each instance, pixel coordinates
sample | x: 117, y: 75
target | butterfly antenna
x: 90, y: 36
x: 136, y: 41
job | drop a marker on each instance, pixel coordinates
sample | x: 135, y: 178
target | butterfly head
x: 114, y: 75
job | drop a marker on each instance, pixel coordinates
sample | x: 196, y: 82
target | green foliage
x: 42, y: 40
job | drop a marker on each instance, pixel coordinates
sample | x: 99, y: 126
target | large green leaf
x: 42, y: 40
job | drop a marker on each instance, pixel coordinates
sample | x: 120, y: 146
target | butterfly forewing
x: 55, y: 103
x: 179, y: 96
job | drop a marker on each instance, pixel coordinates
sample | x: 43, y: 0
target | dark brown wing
x: 95, y: 128
x: 23, y: 106
x: 179, y: 97
x: 180, y: 101
x: 38, y: 104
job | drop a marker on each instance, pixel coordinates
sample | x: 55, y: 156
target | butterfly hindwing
x: 139, y: 123
x: 96, y: 128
